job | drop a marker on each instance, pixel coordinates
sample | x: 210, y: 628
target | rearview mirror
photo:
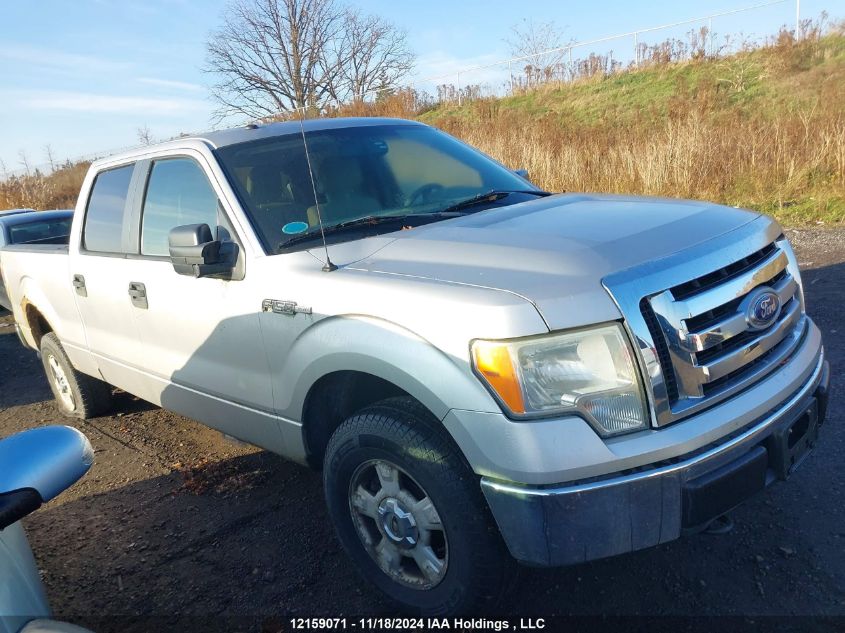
x: 522, y: 173
x: 194, y: 251
x: 37, y: 465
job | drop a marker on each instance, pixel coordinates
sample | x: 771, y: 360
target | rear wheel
x: 410, y: 513
x: 78, y: 395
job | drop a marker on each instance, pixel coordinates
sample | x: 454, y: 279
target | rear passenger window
x: 178, y: 193
x: 104, y: 217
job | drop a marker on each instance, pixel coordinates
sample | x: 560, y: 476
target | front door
x: 204, y: 356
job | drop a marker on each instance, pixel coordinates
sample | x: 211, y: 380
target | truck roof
x: 232, y: 136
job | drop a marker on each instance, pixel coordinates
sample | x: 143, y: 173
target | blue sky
x: 83, y: 76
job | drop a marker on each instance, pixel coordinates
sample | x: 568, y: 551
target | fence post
x: 510, y: 77
x: 458, y: 85
x: 636, y: 51
x: 710, y: 36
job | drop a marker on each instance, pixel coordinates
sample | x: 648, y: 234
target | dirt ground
x: 174, y: 520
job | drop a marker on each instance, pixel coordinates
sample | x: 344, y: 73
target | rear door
x: 100, y: 273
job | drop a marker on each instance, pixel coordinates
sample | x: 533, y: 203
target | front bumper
x: 562, y: 525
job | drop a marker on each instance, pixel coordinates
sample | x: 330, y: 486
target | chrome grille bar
x: 735, y: 360
x: 736, y: 287
x: 734, y: 324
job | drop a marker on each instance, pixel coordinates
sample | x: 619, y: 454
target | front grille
x: 704, y: 342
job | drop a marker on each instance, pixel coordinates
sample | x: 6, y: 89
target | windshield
x: 359, y: 172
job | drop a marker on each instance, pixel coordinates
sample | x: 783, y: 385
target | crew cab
x: 484, y: 372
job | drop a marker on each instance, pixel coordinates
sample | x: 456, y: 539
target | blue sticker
x: 292, y: 228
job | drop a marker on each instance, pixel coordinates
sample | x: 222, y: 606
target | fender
x: 31, y: 294
x: 381, y: 348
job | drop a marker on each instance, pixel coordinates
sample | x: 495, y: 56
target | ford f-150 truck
x: 484, y: 372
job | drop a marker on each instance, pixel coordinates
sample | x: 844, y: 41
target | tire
x: 468, y: 564
x: 77, y: 395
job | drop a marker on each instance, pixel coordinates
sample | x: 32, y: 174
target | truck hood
x: 552, y: 251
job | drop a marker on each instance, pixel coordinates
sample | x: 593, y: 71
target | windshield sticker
x: 292, y: 228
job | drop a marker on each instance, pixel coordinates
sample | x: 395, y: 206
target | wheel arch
x: 332, y: 399
x: 341, y: 365
x: 35, y: 323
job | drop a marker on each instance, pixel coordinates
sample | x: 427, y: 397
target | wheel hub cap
x: 397, y: 524
x: 61, y: 382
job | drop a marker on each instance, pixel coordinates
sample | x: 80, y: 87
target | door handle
x: 136, y: 290
x: 79, y: 285
x: 138, y: 294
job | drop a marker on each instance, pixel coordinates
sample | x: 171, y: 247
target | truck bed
x: 38, y: 274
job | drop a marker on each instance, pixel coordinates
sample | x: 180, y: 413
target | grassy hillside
x: 763, y: 129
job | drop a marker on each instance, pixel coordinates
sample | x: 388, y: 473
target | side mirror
x: 522, y: 173
x: 37, y: 465
x: 194, y: 252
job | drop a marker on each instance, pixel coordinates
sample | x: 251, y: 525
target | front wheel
x: 410, y: 513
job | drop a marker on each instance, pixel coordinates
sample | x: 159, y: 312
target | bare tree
x: 48, y: 151
x: 371, y: 57
x: 534, y: 41
x: 273, y: 56
x: 24, y: 161
x: 145, y: 137
x: 270, y: 56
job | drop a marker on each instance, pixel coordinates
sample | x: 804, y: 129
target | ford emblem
x: 763, y: 308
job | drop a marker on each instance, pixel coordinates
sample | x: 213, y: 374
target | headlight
x: 590, y: 371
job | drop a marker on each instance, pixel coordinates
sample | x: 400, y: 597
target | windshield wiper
x: 403, y: 218
x: 351, y: 225
x: 492, y: 196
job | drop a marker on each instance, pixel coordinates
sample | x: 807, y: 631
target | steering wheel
x: 422, y: 193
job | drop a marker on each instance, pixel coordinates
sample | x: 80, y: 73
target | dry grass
x: 772, y: 165
x: 763, y: 130
x: 57, y: 190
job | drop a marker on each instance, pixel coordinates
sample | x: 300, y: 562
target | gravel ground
x: 174, y: 520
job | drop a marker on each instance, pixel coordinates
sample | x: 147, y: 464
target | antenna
x: 328, y: 266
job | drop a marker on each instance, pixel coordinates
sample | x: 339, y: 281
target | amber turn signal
x: 493, y: 361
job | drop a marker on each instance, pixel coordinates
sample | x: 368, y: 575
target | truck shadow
x: 242, y: 537
x: 22, y: 378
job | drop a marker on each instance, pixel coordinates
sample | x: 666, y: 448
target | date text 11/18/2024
x: 416, y: 624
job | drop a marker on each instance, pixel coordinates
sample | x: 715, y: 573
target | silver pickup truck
x: 484, y: 372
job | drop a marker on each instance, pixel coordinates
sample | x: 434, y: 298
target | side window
x: 103, y: 230
x: 178, y: 193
